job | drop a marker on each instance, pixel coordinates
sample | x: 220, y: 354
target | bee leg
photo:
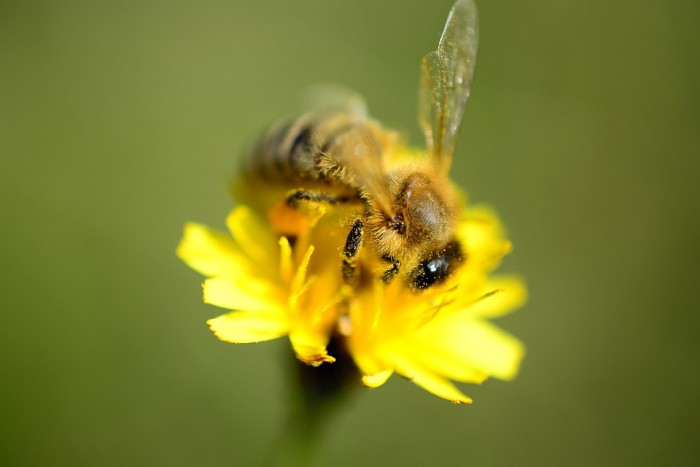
x: 352, y: 246
x: 390, y: 273
x: 303, y: 195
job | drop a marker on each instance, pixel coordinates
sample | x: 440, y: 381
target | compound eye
x: 430, y: 272
x: 437, y: 268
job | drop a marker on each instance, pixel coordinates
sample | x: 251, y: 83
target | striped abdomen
x: 316, y: 149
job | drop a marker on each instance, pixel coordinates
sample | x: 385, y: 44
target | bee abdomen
x: 309, y: 149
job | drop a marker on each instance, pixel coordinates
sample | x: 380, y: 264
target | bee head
x: 423, y: 219
x: 436, y: 267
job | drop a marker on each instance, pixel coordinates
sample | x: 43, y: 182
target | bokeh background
x: 121, y: 120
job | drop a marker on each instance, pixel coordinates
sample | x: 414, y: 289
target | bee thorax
x: 427, y: 209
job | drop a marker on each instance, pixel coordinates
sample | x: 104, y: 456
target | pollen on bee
x: 361, y: 149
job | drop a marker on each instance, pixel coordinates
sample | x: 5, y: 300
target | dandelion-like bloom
x: 277, y: 289
x: 334, y: 177
x: 266, y: 281
x: 443, y: 334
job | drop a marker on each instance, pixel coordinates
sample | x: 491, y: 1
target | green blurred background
x: 119, y: 121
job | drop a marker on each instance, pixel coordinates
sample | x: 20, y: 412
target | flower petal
x: 236, y: 293
x: 430, y: 381
x: 512, y: 294
x: 444, y: 361
x: 471, y: 344
x: 312, y: 355
x: 482, y: 234
x: 310, y: 345
x: 209, y: 252
x: 375, y: 372
x: 299, y: 279
x: 254, y: 238
x: 242, y: 327
x: 285, y: 259
x: 377, y: 379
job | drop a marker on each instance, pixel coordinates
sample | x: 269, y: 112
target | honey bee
x: 408, y: 209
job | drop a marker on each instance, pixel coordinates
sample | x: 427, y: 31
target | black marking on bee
x: 397, y: 223
x: 436, y: 269
x: 333, y: 139
x: 352, y: 246
x: 314, y: 197
x: 301, y: 144
x: 392, y: 272
x: 354, y: 240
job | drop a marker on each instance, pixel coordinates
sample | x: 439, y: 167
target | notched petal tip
x: 377, y: 379
x: 310, y: 347
x: 466, y: 401
x: 317, y: 359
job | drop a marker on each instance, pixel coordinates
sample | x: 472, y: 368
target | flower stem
x: 320, y: 393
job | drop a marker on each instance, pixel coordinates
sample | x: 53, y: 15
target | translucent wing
x: 368, y: 165
x: 332, y: 99
x: 446, y: 80
x: 360, y: 150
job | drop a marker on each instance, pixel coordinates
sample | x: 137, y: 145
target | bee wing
x: 366, y: 166
x: 446, y: 81
x: 365, y: 161
x: 329, y: 99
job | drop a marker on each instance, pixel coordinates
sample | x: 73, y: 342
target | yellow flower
x: 442, y: 334
x: 431, y: 337
x: 266, y: 282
